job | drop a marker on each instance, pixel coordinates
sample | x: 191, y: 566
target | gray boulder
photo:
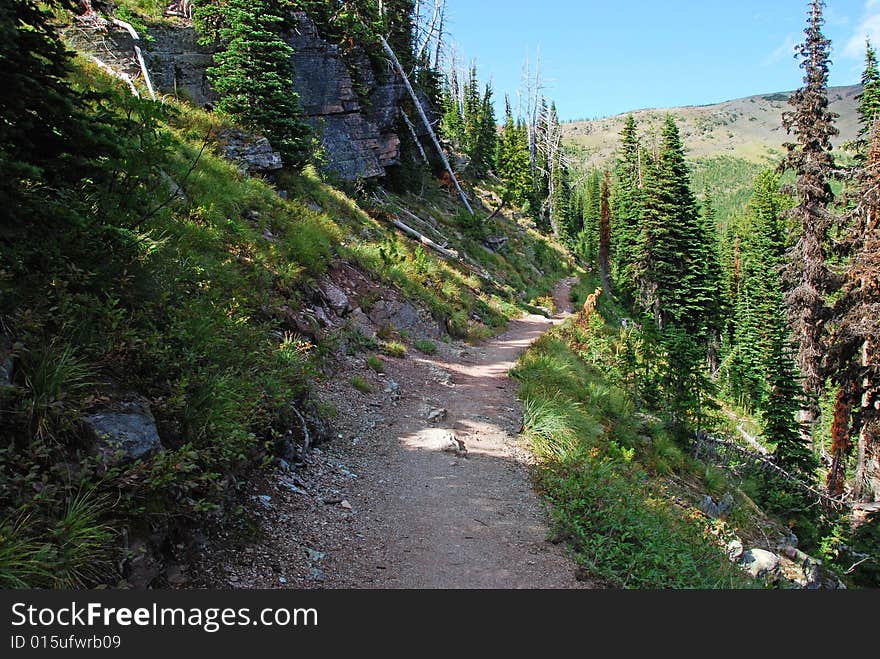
x: 760, y: 563
x: 126, y: 432
x: 335, y: 297
x: 251, y: 154
x: 716, y: 510
x: 399, y: 315
x: 735, y: 549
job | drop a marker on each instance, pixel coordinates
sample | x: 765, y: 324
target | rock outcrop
x: 355, y: 119
x: 253, y: 155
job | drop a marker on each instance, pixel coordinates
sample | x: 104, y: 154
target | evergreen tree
x: 627, y: 209
x: 484, y: 137
x: 854, y: 357
x: 869, y: 99
x: 759, y: 296
x: 588, y: 240
x: 254, y: 78
x: 513, y: 161
x: 668, y: 263
x: 452, y: 122
x: 808, y: 279
x: 605, y: 234
x: 781, y: 405
x: 46, y: 139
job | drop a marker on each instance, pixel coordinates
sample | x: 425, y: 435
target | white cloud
x: 783, y: 51
x: 868, y: 27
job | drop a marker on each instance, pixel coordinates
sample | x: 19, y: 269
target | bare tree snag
x: 140, y: 56
x: 109, y: 70
x: 412, y: 130
x: 427, y: 123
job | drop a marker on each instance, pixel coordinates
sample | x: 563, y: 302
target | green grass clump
x: 361, y: 385
x: 426, y: 347
x: 582, y: 427
x: 394, y: 349
x: 376, y: 364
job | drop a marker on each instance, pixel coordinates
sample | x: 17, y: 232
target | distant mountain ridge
x: 749, y: 128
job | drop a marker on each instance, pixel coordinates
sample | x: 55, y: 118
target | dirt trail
x: 391, y: 505
x: 454, y: 522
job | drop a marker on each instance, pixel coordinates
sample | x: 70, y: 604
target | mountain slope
x: 748, y: 128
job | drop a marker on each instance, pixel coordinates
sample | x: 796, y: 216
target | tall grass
x: 582, y: 428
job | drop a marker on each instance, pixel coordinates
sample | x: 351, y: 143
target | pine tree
x: 808, y: 279
x: 869, y: 99
x: 452, y: 122
x: 668, y: 262
x: 781, y: 405
x: 605, y: 234
x: 627, y: 209
x: 45, y: 134
x: 483, y: 138
x: 254, y: 78
x: 513, y: 161
x: 708, y: 289
x: 592, y: 211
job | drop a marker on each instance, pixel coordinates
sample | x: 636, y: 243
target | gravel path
x: 396, y: 503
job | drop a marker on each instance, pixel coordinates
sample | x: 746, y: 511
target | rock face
x: 179, y: 64
x: 358, y: 132
x: 125, y: 432
x: 359, y: 144
x: 397, y: 315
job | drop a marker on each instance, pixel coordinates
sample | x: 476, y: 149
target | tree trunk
x: 427, y: 123
x: 841, y: 444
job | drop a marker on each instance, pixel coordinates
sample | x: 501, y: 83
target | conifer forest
x: 291, y: 289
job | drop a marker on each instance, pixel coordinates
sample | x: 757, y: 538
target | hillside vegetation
x: 748, y: 129
x: 170, y: 282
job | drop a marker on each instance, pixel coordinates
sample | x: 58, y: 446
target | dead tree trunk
x: 427, y: 122
x: 415, y: 137
x: 140, y: 56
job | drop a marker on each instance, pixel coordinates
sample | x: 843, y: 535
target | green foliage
x: 626, y: 206
x: 603, y: 502
x: 74, y: 551
x: 376, y: 364
x: 869, y: 99
x: 426, y: 347
x: 394, y: 349
x: 253, y: 72
x: 47, y: 140
x: 361, y: 385
x: 52, y: 377
x: 469, y: 124
x: 513, y: 163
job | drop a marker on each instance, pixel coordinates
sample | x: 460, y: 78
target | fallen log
x: 448, y: 253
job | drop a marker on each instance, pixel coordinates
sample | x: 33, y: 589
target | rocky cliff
x: 355, y: 120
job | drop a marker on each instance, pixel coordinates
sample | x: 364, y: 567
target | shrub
x: 426, y: 347
x: 394, y: 349
x: 376, y: 364
x: 361, y: 385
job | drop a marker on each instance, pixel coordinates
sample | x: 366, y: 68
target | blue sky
x: 604, y: 57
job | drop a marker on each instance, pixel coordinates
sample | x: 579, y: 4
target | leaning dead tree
x: 148, y: 81
x: 424, y: 117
